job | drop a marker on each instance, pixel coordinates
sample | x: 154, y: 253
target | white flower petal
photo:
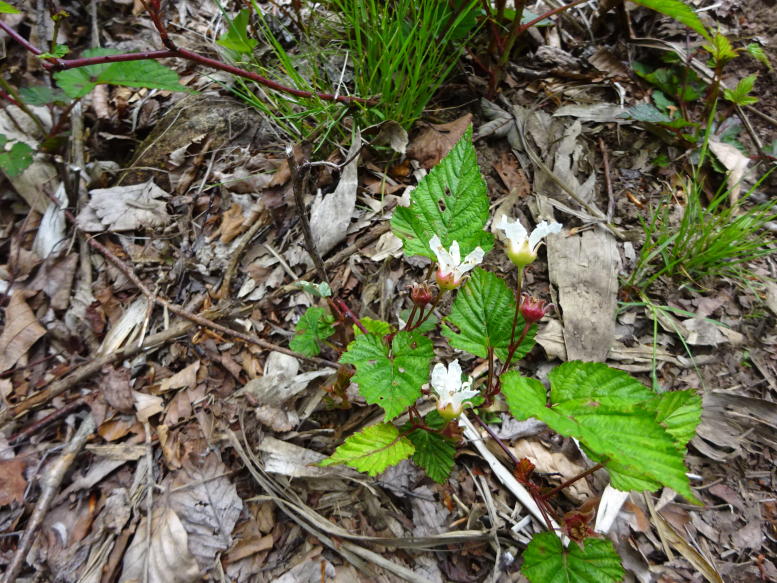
x: 455, y: 255
x: 473, y: 259
x: 443, y: 257
x: 454, y: 376
x: 439, y: 379
x: 543, y: 230
x: 514, y: 231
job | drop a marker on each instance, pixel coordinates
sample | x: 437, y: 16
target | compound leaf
x: 372, y: 449
x: 638, y: 436
x: 390, y: 376
x: 678, y: 10
x: 313, y: 328
x: 450, y: 202
x: 483, y: 314
x: 433, y: 453
x: 80, y: 81
x: 545, y: 560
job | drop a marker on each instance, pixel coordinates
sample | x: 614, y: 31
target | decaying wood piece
x: 584, y: 270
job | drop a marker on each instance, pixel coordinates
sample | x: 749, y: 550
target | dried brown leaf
x: 207, y: 504
x: 117, y: 390
x: 186, y: 377
x: 12, y: 481
x: 431, y: 145
x: 164, y: 557
x: 21, y: 331
x: 232, y: 223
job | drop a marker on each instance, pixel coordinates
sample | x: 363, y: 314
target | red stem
x: 173, y: 51
x: 353, y: 317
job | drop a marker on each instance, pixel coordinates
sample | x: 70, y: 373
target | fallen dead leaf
x: 330, y: 216
x: 232, y: 223
x: 147, y: 405
x: 124, y: 208
x: 436, y: 140
x: 116, y: 389
x: 207, y: 504
x: 186, y: 377
x: 164, y: 557
x: 736, y: 164
x: 21, y: 331
x: 12, y: 481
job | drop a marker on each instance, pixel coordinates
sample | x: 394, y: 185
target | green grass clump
x: 716, y: 240
x: 403, y: 51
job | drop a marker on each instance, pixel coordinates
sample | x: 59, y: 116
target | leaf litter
x: 178, y: 479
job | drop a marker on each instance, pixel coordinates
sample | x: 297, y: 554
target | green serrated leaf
x: 16, y: 160
x: 740, y: 94
x: 58, y: 52
x: 6, y: 8
x: 372, y: 450
x: 679, y: 412
x: 483, y: 314
x: 236, y: 38
x: 619, y: 422
x: 313, y: 328
x: 757, y: 52
x: 450, y: 202
x: 43, y: 95
x: 390, y: 377
x: 79, y: 82
x: 720, y: 49
x: 545, y: 560
x: 433, y: 453
x: 377, y: 327
x: 678, y: 10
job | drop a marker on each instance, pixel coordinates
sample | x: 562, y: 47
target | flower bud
x: 533, y: 309
x: 449, y: 411
x: 521, y: 254
x: 446, y: 281
x: 421, y: 295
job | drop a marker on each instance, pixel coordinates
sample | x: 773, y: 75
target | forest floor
x: 147, y: 392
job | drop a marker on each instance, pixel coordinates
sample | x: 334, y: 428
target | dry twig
x: 49, y: 487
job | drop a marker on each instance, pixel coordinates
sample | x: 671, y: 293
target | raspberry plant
x: 637, y: 435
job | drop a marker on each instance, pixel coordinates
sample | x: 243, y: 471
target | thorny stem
x: 411, y: 316
x: 53, y: 64
x: 341, y: 305
x: 572, y: 480
x: 497, y: 440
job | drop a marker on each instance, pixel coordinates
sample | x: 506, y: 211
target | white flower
x: 451, y: 392
x: 452, y: 268
x: 522, y: 247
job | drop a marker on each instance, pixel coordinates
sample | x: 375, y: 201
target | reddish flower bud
x: 533, y: 309
x: 421, y: 294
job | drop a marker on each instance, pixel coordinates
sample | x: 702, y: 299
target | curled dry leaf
x: 21, y: 331
x: 124, y: 208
